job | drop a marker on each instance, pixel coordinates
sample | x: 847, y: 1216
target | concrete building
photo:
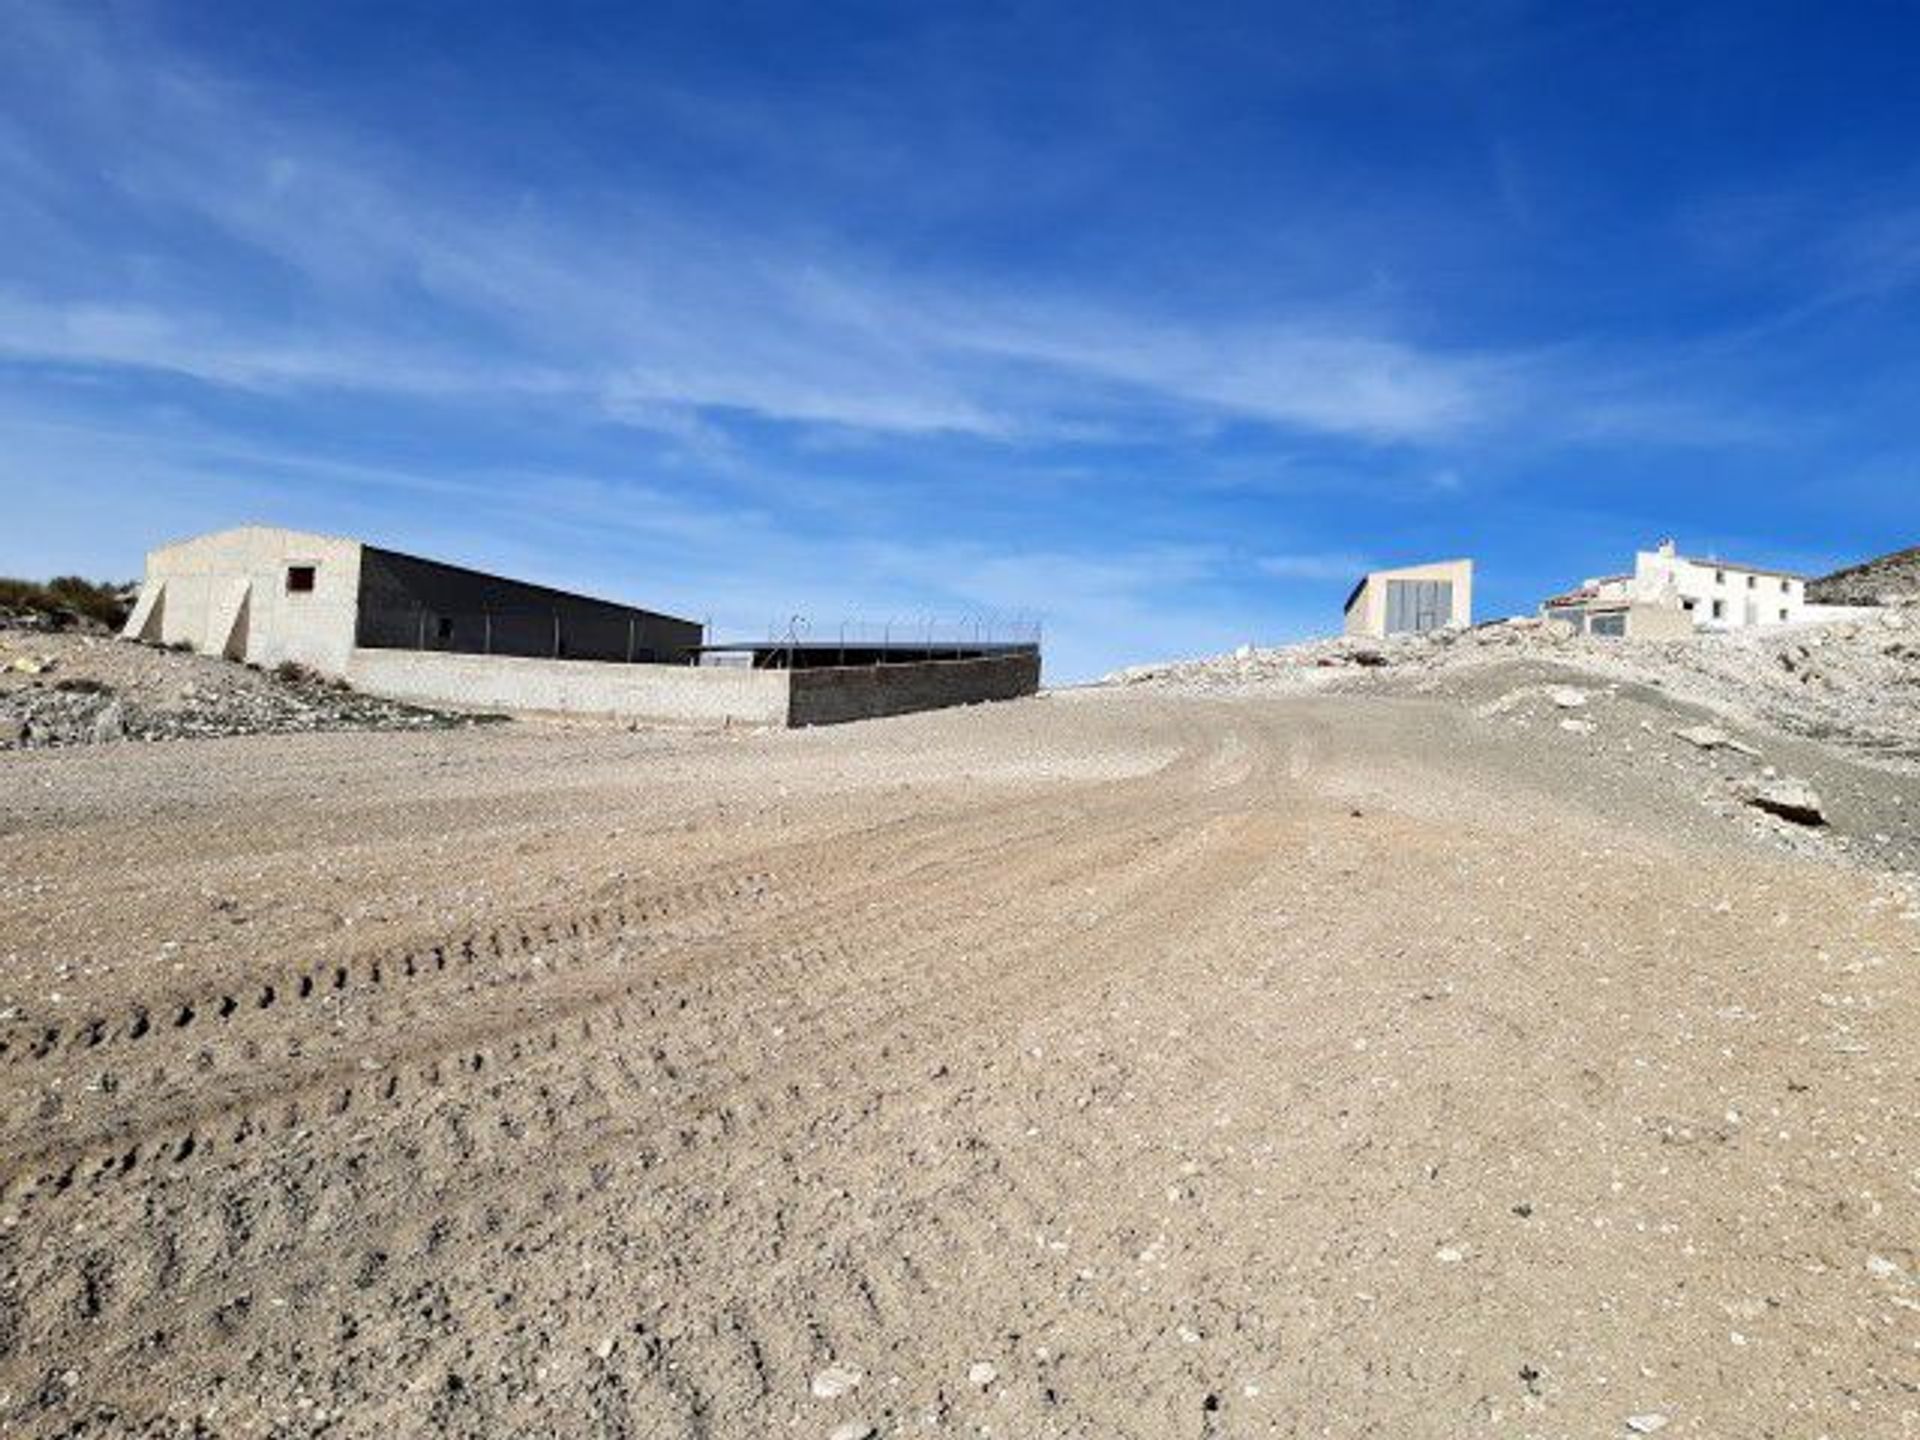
x: 417, y: 630
x: 267, y: 595
x: 1412, y: 599
x: 1670, y: 594
x: 1591, y: 613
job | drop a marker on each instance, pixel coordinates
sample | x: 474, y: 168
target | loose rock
x: 1708, y: 737
x: 835, y: 1381
x: 1790, y: 799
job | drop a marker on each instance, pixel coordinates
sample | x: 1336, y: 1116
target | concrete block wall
x: 673, y: 694
x: 830, y: 696
x: 686, y: 694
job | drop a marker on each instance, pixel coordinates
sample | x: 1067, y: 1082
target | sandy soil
x: 1110, y: 1064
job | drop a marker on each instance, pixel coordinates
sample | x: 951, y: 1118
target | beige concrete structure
x: 1411, y: 599
x: 255, y: 593
x: 1619, y: 617
x: 672, y: 694
x: 691, y: 695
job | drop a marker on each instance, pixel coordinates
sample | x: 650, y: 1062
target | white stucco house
x: 1670, y: 591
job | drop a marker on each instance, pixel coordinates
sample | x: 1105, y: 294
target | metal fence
x: 986, y: 628
x: 540, y: 632
x: 558, y: 634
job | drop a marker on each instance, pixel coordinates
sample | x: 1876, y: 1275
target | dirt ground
x: 1105, y: 1064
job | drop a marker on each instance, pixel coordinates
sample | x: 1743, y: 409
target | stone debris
x: 1578, y: 727
x: 1648, y: 1423
x: 1788, y: 798
x: 836, y: 1380
x: 1854, y: 683
x: 110, y: 724
x: 981, y: 1374
x: 1709, y: 737
x: 108, y: 691
x: 853, y: 1430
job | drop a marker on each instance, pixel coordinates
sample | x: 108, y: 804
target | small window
x: 300, y: 579
x: 1719, y: 577
x: 1786, y: 587
x: 1783, y: 614
x: 1719, y: 609
x: 1752, y: 580
x: 1687, y: 605
x: 445, y: 627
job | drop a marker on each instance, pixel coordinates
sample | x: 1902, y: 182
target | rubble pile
x: 1315, y: 664
x: 1854, y: 682
x: 81, y: 689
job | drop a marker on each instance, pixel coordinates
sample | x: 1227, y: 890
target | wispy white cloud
x: 1329, y: 565
x: 636, y: 305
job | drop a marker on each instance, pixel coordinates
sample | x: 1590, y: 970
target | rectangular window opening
x: 300, y: 579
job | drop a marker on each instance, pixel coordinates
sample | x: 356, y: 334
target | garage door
x: 1416, y: 605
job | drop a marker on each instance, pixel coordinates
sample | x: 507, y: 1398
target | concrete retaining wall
x: 686, y: 694
x: 673, y: 693
x: 829, y: 696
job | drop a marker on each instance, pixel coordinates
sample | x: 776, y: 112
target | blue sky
x: 1161, y: 322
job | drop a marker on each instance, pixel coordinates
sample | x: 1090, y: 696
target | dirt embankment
x: 66, y: 688
x: 1104, y: 1064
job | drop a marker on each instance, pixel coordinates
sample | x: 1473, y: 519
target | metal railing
x: 551, y: 633
x: 927, y: 633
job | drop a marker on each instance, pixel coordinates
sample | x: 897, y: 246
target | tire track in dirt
x: 169, y: 1265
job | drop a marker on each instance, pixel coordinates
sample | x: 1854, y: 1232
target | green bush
x: 109, y: 605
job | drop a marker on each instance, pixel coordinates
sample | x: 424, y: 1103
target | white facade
x: 1710, y: 594
x: 1718, y: 594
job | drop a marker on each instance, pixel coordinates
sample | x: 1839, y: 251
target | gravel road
x: 1105, y: 1064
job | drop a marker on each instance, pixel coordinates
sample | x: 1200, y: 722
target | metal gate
x: 1415, y: 605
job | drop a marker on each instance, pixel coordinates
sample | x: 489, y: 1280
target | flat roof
x: 1742, y: 566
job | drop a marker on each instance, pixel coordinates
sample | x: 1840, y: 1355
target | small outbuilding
x: 1412, y: 599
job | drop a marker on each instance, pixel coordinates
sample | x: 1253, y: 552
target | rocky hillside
x: 1853, y: 683
x: 76, y: 689
x: 1870, y: 583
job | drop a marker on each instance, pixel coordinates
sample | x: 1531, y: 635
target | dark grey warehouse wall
x: 407, y: 603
